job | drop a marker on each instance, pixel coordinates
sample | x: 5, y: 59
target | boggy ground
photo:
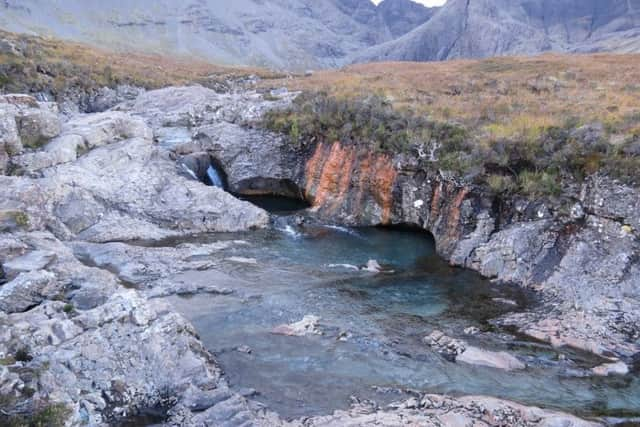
x: 82, y: 344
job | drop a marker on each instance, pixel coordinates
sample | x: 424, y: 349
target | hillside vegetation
x: 517, y: 124
x: 37, y: 64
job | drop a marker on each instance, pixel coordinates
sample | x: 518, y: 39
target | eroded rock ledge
x: 79, y: 337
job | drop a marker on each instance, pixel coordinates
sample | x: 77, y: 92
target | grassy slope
x: 518, y: 116
x: 45, y: 64
x: 500, y: 94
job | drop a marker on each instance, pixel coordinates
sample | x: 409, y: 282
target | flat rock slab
x: 34, y: 260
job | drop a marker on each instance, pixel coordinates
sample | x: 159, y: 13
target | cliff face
x: 483, y: 28
x: 582, y: 258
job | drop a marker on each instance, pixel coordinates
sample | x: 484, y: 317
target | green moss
x: 22, y: 219
x: 501, y: 184
x: 7, y: 361
x: 539, y: 183
x: 68, y: 308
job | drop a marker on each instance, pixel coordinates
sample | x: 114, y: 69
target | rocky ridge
x: 283, y: 34
x: 485, y: 28
x: 97, y: 342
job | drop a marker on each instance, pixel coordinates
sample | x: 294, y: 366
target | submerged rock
x: 492, y: 359
x: 307, y: 326
x: 459, y: 351
x: 606, y: 369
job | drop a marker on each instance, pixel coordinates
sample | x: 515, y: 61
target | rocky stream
x: 167, y: 261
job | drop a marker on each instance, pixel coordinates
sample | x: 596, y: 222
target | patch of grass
x: 22, y: 219
x: 367, y: 120
x: 518, y: 113
x: 7, y: 361
x: 539, y: 183
x: 501, y: 184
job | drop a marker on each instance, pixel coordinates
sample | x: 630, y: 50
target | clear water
x: 303, y: 271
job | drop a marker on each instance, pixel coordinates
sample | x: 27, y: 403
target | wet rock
x: 448, y: 347
x: 505, y: 301
x: 607, y: 369
x: 307, y: 326
x: 459, y: 351
x: 471, y: 330
x: 434, y: 410
x: 491, y: 359
x: 372, y: 266
x: 244, y: 349
x: 242, y: 260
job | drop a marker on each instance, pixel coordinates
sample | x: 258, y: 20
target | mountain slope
x: 482, y: 28
x: 291, y: 34
x: 301, y: 34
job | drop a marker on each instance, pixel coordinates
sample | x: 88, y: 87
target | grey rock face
x: 291, y: 34
x: 401, y: 16
x: 483, y: 28
x: 104, y: 179
x: 26, y: 291
x: 25, y: 122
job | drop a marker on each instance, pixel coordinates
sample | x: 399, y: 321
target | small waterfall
x: 188, y: 170
x: 215, y: 177
x: 282, y: 224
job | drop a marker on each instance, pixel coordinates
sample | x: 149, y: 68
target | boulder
x: 307, y: 326
x: 27, y: 291
x: 38, y: 126
x: 607, y: 369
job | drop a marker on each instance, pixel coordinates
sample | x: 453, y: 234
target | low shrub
x: 528, y: 155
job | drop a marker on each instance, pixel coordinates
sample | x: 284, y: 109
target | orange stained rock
x: 383, y: 180
x: 312, y: 169
x: 333, y: 175
x: 364, y: 180
x: 454, y: 213
x: 327, y: 185
x: 348, y: 165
